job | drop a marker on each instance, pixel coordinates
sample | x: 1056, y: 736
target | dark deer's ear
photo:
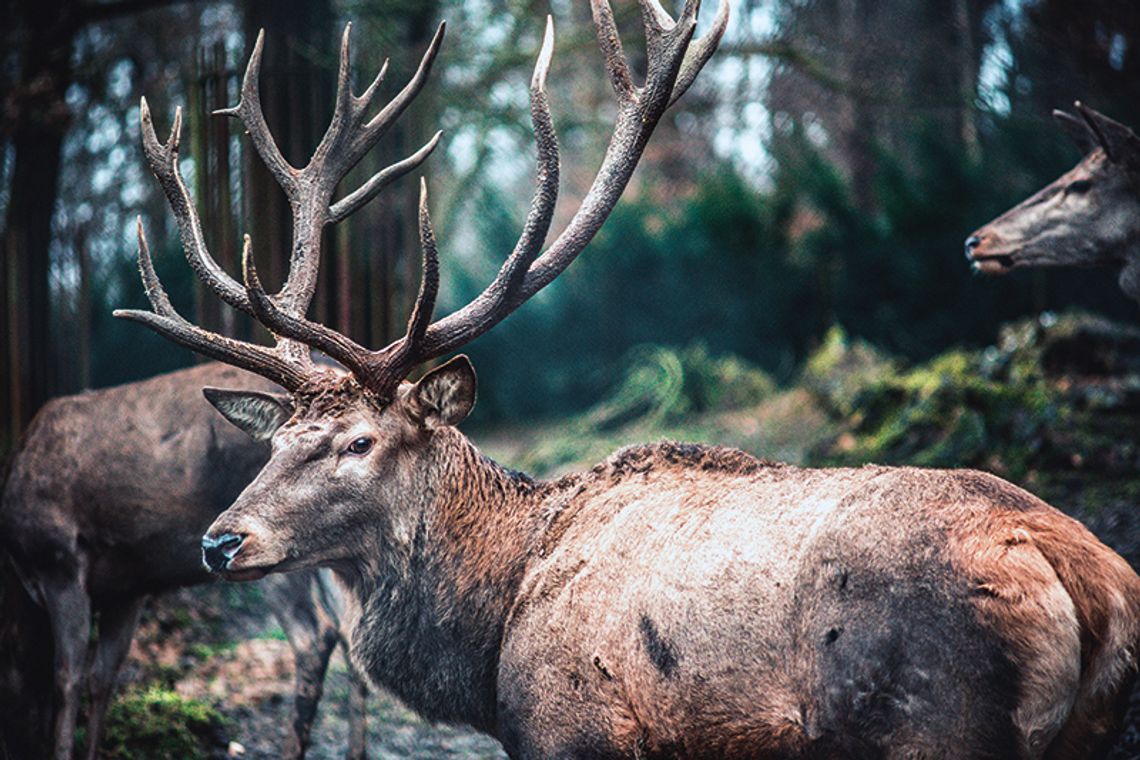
x: 258, y: 414
x: 1118, y: 141
x: 445, y: 395
x: 1076, y: 129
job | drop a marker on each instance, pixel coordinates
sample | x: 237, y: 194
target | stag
x: 106, y: 504
x: 676, y: 600
x: 1088, y: 217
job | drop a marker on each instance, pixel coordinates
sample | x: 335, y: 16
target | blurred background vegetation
x: 823, y: 172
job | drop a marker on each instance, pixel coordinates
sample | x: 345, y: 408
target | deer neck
x: 433, y: 606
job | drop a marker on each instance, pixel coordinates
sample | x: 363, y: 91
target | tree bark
x: 47, y: 30
x: 298, y: 73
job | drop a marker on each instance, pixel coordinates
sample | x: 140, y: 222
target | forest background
x: 822, y: 172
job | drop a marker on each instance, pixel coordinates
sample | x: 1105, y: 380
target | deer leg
x: 357, y: 705
x: 69, y: 608
x: 116, y: 628
x: 312, y: 635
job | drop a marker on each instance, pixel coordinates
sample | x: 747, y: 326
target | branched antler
x: 350, y: 135
x: 674, y: 60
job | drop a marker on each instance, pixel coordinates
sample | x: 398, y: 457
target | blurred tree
x: 1064, y: 51
x: 34, y: 120
x: 864, y: 74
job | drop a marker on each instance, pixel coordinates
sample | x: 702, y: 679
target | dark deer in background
x: 674, y: 601
x: 106, y: 503
x: 1088, y: 217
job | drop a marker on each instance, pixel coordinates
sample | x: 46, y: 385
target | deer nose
x: 217, y: 552
x: 972, y: 242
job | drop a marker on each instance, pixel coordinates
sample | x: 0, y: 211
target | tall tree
x: 35, y: 120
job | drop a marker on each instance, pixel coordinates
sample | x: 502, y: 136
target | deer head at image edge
x: 1090, y: 216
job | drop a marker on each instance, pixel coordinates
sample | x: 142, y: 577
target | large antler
x: 674, y: 60
x: 350, y: 135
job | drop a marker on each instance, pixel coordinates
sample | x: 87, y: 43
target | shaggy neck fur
x: 435, y: 594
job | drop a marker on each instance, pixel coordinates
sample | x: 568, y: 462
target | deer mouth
x: 997, y: 263
x: 241, y: 575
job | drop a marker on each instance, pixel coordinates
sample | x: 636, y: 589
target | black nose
x: 217, y: 552
x: 972, y: 242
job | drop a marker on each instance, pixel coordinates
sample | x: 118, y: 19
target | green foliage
x: 841, y: 368
x: 155, y: 723
x: 660, y: 391
x: 1049, y: 400
x: 712, y: 268
x: 946, y: 413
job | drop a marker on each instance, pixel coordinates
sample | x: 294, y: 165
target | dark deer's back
x: 135, y: 492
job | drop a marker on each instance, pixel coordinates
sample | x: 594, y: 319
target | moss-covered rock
x: 946, y: 413
x: 156, y: 723
x: 1054, y: 396
x: 841, y: 368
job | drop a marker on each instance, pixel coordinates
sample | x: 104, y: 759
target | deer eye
x: 1079, y: 186
x: 360, y: 446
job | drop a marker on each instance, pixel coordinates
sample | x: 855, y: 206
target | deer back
x: 138, y: 471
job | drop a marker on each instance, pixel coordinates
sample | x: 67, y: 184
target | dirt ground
x: 220, y: 644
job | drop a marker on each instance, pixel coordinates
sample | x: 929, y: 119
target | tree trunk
x: 37, y: 133
x: 298, y: 73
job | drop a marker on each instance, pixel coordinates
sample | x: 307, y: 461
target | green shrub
x: 155, y: 723
x: 660, y: 388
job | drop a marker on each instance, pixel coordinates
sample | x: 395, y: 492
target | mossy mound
x: 1055, y: 395
x: 946, y: 413
x: 156, y: 723
x: 841, y: 369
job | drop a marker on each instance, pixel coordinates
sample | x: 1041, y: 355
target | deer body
x: 681, y: 601
x: 106, y: 503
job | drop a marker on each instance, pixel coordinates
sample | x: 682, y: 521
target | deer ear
x: 258, y: 414
x: 1118, y: 141
x: 1076, y: 129
x: 445, y: 395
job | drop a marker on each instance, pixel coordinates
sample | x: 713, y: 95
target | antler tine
x: 379, y: 123
x: 610, y: 42
x: 345, y: 142
x: 380, y: 180
x: 699, y: 52
x: 341, y: 348
x: 344, y: 95
x: 380, y: 371
x: 166, y: 321
x: 640, y: 109
x: 655, y: 17
x: 547, y: 172
x: 248, y: 110
x: 420, y: 317
x: 163, y: 162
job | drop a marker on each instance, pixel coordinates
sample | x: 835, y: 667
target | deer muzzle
x: 219, y: 551
x: 982, y: 256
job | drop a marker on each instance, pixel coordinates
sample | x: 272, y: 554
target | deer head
x: 351, y: 449
x: 1090, y: 216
